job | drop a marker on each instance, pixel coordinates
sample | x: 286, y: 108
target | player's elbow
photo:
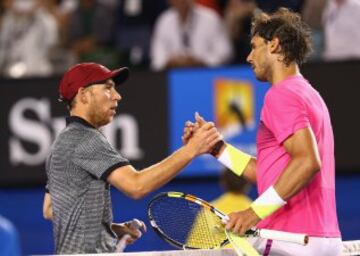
x: 132, y: 189
x: 138, y: 189
x: 47, y: 207
x: 129, y: 181
x: 313, y: 165
x: 47, y: 217
x: 47, y: 214
x: 137, y: 193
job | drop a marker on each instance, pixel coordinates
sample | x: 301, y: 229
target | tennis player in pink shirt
x: 295, y: 167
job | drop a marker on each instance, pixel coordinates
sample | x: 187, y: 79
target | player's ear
x: 274, y: 45
x: 82, y: 95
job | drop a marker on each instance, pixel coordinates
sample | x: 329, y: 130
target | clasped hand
x: 201, y: 136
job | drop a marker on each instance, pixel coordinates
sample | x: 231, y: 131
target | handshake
x: 211, y: 137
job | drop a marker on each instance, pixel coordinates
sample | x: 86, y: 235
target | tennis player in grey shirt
x: 82, y: 165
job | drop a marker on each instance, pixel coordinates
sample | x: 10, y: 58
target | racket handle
x: 302, y: 239
x: 135, y: 224
x: 121, y: 245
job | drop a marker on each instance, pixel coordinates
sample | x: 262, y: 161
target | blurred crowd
x: 45, y: 37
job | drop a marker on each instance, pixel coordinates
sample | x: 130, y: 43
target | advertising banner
x: 31, y: 117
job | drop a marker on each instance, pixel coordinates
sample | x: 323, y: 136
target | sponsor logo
x: 33, y: 129
x: 234, y: 107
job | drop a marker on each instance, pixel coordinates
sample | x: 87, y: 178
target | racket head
x: 187, y: 222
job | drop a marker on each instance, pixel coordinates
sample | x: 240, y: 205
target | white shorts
x: 317, y: 246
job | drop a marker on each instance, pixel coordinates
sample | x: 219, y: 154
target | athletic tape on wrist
x: 267, y: 203
x: 234, y: 159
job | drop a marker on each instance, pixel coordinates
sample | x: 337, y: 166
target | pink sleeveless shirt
x: 289, y: 106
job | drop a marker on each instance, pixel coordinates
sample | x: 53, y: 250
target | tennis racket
x: 188, y: 222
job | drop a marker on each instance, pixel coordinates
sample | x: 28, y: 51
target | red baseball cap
x: 86, y: 74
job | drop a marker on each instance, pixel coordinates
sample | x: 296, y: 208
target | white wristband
x: 267, y: 203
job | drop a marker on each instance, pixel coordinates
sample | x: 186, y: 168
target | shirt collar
x: 77, y: 119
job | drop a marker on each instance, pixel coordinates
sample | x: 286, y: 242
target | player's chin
x: 260, y: 77
x: 106, y: 120
x: 110, y: 118
x: 111, y: 114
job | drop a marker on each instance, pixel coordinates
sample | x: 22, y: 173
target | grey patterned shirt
x: 77, y: 167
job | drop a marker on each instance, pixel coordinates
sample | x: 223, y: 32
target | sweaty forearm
x: 298, y: 173
x: 250, y: 171
x: 153, y: 177
x: 138, y: 184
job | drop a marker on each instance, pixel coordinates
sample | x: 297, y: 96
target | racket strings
x: 172, y: 218
x: 188, y: 223
x: 207, y: 231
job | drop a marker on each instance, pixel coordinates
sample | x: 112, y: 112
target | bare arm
x: 250, y: 171
x: 47, y: 207
x: 138, y: 184
x: 304, y: 164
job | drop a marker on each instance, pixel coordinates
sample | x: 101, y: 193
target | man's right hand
x: 203, y: 139
x: 188, y: 132
x: 191, y: 127
x: 201, y: 136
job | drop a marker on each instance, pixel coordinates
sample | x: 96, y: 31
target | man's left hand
x: 133, y: 229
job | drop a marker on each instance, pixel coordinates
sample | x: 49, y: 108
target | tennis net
x: 350, y: 248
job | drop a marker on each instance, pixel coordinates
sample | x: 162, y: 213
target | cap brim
x: 120, y: 75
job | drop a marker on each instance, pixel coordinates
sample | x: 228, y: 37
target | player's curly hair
x: 292, y: 32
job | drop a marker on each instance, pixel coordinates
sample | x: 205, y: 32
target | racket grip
x: 302, y: 239
x: 121, y: 245
x: 135, y: 224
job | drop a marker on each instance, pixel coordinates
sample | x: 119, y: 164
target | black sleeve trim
x: 112, y: 168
